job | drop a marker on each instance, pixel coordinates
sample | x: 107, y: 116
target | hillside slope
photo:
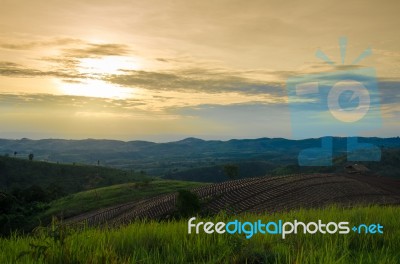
x: 261, y: 195
x: 19, y: 173
x: 81, y: 202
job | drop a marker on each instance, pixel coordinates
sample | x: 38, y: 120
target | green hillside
x: 19, y: 173
x: 24, y: 210
x: 29, y: 187
x: 216, y: 173
x: 81, y: 202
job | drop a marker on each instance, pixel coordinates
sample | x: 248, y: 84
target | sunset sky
x: 166, y: 70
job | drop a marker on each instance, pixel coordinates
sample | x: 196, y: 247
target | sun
x: 93, y: 84
x: 107, y: 65
x: 95, y: 88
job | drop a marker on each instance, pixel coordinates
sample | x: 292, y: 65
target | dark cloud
x: 97, y: 50
x: 218, y: 81
x: 195, y: 80
x: 85, y: 50
x: 14, y: 69
x: 69, y: 63
x: 67, y: 102
x: 323, y: 66
x: 389, y: 91
x: 40, y: 44
x: 11, y: 69
x: 162, y: 60
x: 247, y: 108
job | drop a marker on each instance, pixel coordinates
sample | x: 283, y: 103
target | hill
x: 261, y: 195
x: 216, y: 173
x: 163, y: 158
x: 19, y: 173
x: 103, y: 197
x: 388, y: 166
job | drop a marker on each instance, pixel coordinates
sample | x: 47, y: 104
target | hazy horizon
x: 173, y: 139
x: 163, y: 71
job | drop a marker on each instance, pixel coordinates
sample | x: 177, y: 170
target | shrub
x: 188, y: 203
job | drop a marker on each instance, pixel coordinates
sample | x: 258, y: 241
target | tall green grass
x: 168, y: 242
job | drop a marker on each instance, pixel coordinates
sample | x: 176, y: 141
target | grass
x: 85, y: 201
x: 168, y: 242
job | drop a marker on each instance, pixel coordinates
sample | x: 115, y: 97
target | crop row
x: 263, y: 194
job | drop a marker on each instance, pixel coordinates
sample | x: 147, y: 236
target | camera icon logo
x: 343, y: 103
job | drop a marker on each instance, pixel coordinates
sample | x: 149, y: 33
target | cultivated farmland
x: 259, y: 195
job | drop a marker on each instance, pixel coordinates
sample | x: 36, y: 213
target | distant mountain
x: 388, y: 166
x: 164, y: 158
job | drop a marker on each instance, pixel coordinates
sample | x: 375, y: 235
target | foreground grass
x: 81, y: 202
x: 168, y: 242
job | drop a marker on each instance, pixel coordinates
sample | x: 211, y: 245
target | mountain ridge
x: 162, y: 158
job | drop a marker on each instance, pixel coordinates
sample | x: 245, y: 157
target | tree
x: 188, y: 203
x: 231, y: 170
x: 54, y: 191
x: 15, y: 154
x: 7, y: 202
x: 30, y: 156
x: 34, y: 194
x: 4, y: 173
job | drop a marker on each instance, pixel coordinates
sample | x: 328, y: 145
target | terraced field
x: 259, y: 195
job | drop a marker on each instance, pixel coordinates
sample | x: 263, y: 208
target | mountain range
x: 165, y: 158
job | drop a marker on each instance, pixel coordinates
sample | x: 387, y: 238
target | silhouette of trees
x: 231, y: 170
x: 7, y: 201
x: 188, y: 203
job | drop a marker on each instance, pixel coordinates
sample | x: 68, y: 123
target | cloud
x: 65, y: 65
x: 48, y: 102
x: 389, y: 92
x: 14, y: 69
x: 91, y: 50
x: 195, y: 80
x: 11, y: 69
x: 28, y: 45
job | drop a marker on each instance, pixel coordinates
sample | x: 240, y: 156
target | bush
x: 188, y: 203
x: 7, y: 202
x: 35, y: 194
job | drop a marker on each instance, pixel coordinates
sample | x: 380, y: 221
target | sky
x: 166, y: 70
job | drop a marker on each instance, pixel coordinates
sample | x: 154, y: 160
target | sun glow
x: 94, y: 69
x: 95, y: 88
x: 107, y: 65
